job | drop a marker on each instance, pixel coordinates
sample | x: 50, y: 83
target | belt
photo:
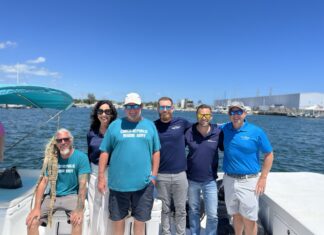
x: 239, y: 176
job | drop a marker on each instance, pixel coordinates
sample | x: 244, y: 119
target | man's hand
x: 33, y: 215
x: 260, y: 186
x: 102, y: 185
x: 76, y: 217
x: 153, y: 182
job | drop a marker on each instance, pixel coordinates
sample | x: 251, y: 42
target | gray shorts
x: 240, y: 197
x: 65, y: 203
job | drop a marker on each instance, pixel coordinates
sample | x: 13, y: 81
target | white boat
x: 292, y: 114
x: 293, y: 204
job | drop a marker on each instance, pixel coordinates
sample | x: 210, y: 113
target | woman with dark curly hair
x: 104, y: 112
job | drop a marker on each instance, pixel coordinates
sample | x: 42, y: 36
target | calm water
x: 297, y: 142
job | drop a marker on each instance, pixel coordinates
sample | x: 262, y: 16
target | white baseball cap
x: 237, y: 104
x: 133, y: 98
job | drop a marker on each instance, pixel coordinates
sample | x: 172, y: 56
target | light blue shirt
x: 242, y: 147
x: 68, y: 173
x: 131, y: 146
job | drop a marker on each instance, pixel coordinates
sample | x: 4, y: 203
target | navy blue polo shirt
x: 94, y: 139
x: 202, y: 158
x: 172, y: 154
x: 242, y: 147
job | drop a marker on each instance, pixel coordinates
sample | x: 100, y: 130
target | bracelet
x: 153, y: 177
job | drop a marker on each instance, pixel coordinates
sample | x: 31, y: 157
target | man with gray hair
x: 66, y: 170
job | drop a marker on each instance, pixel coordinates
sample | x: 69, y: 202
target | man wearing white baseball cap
x: 133, y: 146
x: 243, y: 182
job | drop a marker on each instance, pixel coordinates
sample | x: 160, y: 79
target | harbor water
x: 297, y: 142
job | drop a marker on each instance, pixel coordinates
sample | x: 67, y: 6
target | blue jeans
x: 209, y: 192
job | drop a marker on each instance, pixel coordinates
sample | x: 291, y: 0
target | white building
x: 293, y: 101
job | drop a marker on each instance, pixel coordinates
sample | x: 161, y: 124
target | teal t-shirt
x: 69, y: 171
x: 130, y: 145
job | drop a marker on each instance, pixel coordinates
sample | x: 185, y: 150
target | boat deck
x: 293, y: 203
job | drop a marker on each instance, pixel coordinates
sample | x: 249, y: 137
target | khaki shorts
x: 240, y: 197
x: 65, y: 203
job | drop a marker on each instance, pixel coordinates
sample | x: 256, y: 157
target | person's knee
x: 166, y: 208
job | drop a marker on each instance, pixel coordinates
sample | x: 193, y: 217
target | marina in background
x: 297, y: 142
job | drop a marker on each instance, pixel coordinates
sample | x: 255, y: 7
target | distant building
x: 292, y: 101
x: 186, y: 103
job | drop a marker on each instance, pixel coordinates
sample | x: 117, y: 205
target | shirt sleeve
x: 156, y: 140
x: 264, y: 142
x: 187, y: 124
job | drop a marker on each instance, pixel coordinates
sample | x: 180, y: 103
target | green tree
x: 91, y: 98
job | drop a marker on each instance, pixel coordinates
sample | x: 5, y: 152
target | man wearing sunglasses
x: 172, y: 183
x: 203, y: 141
x: 243, y: 184
x: 133, y: 146
x: 66, y: 170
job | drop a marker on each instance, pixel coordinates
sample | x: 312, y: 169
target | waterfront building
x: 298, y: 101
x: 186, y: 103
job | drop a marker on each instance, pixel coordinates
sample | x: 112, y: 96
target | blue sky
x: 203, y: 50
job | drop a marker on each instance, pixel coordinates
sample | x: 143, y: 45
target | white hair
x: 66, y: 131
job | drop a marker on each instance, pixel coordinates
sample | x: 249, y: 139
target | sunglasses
x: 106, y: 111
x: 130, y: 107
x: 63, y: 139
x: 207, y: 115
x: 165, y: 107
x: 235, y: 112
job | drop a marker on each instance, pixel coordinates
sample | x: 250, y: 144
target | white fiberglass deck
x: 293, y: 203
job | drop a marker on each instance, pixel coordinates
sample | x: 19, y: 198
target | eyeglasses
x: 165, y: 107
x: 130, y: 107
x: 207, y: 115
x: 236, y: 112
x: 106, y: 111
x: 63, y: 139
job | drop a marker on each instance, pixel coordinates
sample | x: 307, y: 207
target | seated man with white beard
x: 66, y: 170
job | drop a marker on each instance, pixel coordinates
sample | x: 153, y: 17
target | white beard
x: 65, y: 151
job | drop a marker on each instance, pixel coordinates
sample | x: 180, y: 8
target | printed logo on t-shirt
x: 244, y: 137
x: 134, y: 133
x: 69, y: 168
x: 212, y: 141
x: 175, y: 127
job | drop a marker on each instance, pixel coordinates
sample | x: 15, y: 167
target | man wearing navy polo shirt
x: 203, y: 141
x: 242, y: 182
x: 172, y: 183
